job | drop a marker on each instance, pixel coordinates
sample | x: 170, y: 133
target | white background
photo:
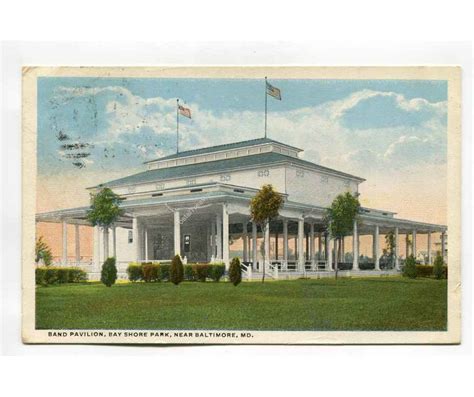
x: 255, y: 33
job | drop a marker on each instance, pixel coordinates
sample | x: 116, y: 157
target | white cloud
x: 319, y: 129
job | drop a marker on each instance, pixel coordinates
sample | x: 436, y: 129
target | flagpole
x: 177, y: 125
x: 265, y: 106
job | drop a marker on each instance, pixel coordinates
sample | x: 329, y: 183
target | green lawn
x: 348, y: 304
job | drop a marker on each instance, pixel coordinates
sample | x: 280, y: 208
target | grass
x: 325, y: 304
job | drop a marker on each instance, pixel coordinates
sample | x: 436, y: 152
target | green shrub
x: 151, y: 272
x: 108, y: 275
x: 235, y: 271
x: 60, y: 275
x: 40, y: 276
x: 176, y: 270
x: 366, y: 266
x: 201, y: 272
x: 76, y: 275
x: 424, y: 270
x: 165, y: 272
x: 51, y: 275
x: 216, y: 271
x: 409, y: 270
x: 439, y: 268
x: 134, y: 272
x: 188, y: 273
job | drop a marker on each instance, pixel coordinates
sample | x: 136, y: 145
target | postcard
x: 241, y: 205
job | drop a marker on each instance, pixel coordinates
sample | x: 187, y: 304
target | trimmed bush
x: 165, y: 272
x: 216, y: 271
x: 430, y: 271
x: 424, y: 270
x: 366, y: 266
x: 409, y: 270
x: 108, y: 275
x: 235, y: 271
x: 76, y: 275
x: 59, y: 275
x: 134, y: 272
x: 176, y: 270
x: 151, y: 272
x: 200, y: 271
x: 188, y: 273
x: 439, y: 268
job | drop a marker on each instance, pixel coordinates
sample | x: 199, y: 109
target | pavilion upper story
x: 248, y: 164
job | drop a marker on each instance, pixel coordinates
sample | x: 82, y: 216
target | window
x: 225, y: 178
x: 195, y: 190
x: 191, y: 182
x: 159, y: 186
x: 157, y: 194
x: 130, y: 236
x: 263, y: 173
x: 347, y: 184
x: 239, y: 191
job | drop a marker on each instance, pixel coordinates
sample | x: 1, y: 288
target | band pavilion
x: 196, y: 203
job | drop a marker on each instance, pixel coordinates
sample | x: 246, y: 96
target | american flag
x: 186, y: 112
x: 273, y: 91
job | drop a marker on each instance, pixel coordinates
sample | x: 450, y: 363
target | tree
x: 409, y: 270
x: 104, y: 212
x: 176, y: 270
x: 43, y: 252
x: 340, y: 217
x: 108, y: 275
x: 235, y: 271
x: 438, y: 266
x: 264, y: 207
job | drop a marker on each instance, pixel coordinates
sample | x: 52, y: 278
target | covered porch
x: 215, y: 226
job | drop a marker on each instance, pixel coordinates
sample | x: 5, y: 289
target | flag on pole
x: 186, y: 112
x: 273, y: 91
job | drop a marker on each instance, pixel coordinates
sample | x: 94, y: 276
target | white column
x: 343, y: 249
x: 213, y: 239
x: 301, y: 258
x: 209, y: 241
x: 245, y: 242
x: 329, y: 252
x: 254, y: 245
x: 355, y: 247
x: 77, y: 244
x: 105, y: 236
x: 397, y: 264
x: 219, y: 236
x: 311, y: 244
x: 376, y: 248
x: 443, y: 246
x: 266, y: 247
x: 114, y: 241
x: 96, y: 252
x: 136, y: 238
x: 413, y: 245
x: 225, y: 235
x: 429, y: 248
x: 285, y: 242
x: 320, y: 246
x: 146, y: 243
x: 64, y: 258
x: 177, y: 233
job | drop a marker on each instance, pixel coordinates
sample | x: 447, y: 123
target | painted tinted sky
x: 391, y: 132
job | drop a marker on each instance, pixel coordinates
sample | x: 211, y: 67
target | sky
x: 390, y: 132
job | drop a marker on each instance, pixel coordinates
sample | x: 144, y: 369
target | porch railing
x: 246, y: 270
